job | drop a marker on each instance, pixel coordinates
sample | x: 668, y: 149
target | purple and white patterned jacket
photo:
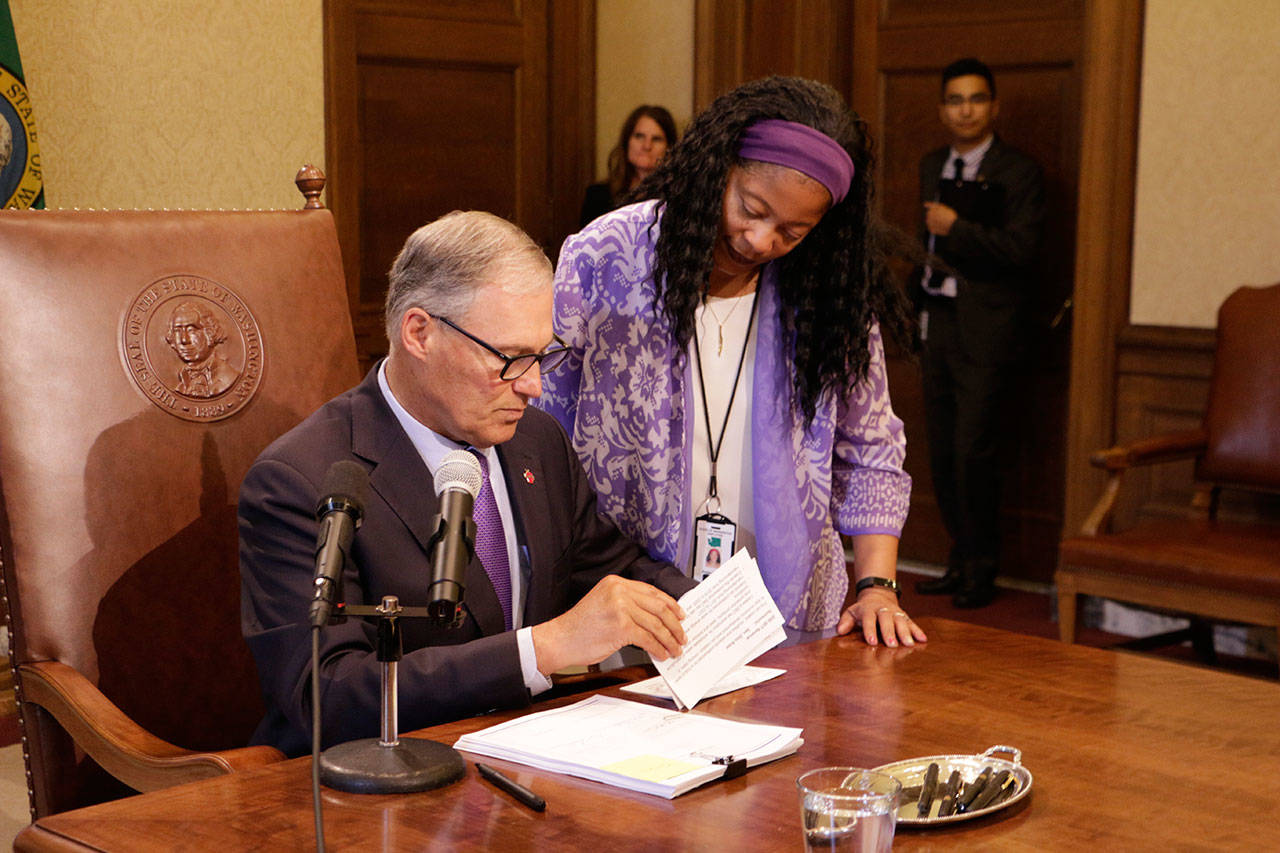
x: 626, y: 400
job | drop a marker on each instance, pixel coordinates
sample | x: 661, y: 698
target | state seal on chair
x: 192, y: 347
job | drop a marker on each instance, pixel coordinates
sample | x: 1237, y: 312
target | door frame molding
x: 1111, y: 81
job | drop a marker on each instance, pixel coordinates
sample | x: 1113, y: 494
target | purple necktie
x: 491, y: 541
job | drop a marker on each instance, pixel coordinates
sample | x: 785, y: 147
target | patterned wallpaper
x: 1208, y: 198
x: 174, y: 103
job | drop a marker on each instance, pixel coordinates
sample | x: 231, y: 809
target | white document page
x: 747, y: 676
x: 730, y: 619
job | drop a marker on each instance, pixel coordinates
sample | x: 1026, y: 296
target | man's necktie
x: 958, y: 165
x: 491, y: 540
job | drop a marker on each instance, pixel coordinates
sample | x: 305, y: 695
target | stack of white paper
x: 730, y: 619
x: 632, y: 745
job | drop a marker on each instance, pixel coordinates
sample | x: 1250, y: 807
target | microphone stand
x: 387, y: 764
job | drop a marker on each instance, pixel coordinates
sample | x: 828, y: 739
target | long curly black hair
x: 833, y: 285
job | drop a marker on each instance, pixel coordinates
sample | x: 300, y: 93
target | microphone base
x: 368, y: 767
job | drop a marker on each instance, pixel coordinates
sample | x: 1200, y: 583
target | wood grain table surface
x: 1127, y: 753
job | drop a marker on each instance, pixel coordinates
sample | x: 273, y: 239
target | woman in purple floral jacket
x: 727, y: 377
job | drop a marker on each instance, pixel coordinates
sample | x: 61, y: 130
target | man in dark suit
x: 983, y: 208
x: 559, y: 585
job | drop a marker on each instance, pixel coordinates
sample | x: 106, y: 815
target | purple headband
x: 800, y: 147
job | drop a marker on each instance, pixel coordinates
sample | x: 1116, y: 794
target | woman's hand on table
x: 879, y: 614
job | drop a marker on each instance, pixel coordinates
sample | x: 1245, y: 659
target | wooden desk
x: 1128, y: 753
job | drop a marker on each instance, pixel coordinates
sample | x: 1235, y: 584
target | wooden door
x: 1034, y: 50
x: 740, y: 40
x: 886, y: 56
x: 435, y: 105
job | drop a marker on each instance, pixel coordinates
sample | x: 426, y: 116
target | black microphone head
x: 460, y: 470
x: 346, y: 486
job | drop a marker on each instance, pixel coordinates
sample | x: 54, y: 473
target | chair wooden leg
x: 1068, y: 601
x: 1202, y: 641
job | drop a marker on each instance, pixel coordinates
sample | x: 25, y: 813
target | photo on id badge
x: 713, y: 543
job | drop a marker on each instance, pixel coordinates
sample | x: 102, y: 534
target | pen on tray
x: 512, y: 787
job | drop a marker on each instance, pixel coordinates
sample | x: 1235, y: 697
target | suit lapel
x: 403, y: 481
x: 990, y: 161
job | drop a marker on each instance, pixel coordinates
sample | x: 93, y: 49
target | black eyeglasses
x: 515, y: 366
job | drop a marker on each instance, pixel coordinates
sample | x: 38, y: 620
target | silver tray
x: 911, y: 771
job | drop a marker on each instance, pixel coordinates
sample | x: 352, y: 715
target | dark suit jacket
x: 996, y: 262
x: 446, y: 673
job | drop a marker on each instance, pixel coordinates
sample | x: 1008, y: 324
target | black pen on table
x: 512, y: 787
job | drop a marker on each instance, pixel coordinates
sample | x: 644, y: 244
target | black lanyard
x: 714, y: 448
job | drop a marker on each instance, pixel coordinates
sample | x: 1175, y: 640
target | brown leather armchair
x: 146, y: 358
x: 1202, y: 566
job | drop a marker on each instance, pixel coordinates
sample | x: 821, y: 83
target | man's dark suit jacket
x: 446, y: 673
x: 995, y: 262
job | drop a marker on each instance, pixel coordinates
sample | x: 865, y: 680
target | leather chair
x: 146, y: 358
x: 1203, y: 566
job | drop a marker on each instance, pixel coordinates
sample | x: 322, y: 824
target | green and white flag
x: 21, y: 175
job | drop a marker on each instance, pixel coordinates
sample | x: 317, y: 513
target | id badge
x: 714, y: 535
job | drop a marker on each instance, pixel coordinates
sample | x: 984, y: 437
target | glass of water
x: 848, y: 809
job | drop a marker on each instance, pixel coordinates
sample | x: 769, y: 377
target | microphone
x: 457, y: 482
x: 389, y: 764
x: 339, y: 512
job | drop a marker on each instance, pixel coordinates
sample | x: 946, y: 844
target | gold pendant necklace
x: 720, y: 323
x: 706, y: 302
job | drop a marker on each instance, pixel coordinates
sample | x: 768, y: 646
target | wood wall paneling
x: 436, y: 106
x: 1162, y: 385
x: 955, y: 12
x: 572, y: 105
x: 741, y: 40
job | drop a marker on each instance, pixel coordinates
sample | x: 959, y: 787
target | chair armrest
x: 1149, y: 451
x: 128, y: 752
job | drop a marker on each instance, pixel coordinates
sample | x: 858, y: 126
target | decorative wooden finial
x: 310, y: 181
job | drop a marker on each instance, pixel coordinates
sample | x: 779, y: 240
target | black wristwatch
x: 887, y: 583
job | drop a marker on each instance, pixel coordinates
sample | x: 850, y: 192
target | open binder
x: 633, y: 745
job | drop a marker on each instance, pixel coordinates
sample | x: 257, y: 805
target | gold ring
x: 900, y: 613
x: 882, y: 610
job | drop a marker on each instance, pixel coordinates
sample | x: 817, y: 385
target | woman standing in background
x: 646, y: 135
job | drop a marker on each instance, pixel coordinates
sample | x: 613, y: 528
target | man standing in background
x: 983, y: 208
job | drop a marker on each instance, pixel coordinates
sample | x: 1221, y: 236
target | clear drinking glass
x: 848, y: 809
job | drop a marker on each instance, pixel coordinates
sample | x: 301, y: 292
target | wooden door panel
x: 420, y: 154
x: 1036, y: 65
x: 952, y: 13
x: 436, y: 105
x: 740, y: 40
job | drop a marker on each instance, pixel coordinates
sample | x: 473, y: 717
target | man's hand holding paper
x: 730, y: 619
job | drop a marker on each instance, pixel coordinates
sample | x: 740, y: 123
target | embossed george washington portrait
x: 192, y: 347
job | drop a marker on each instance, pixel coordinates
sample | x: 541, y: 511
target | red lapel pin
x: 528, y: 476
